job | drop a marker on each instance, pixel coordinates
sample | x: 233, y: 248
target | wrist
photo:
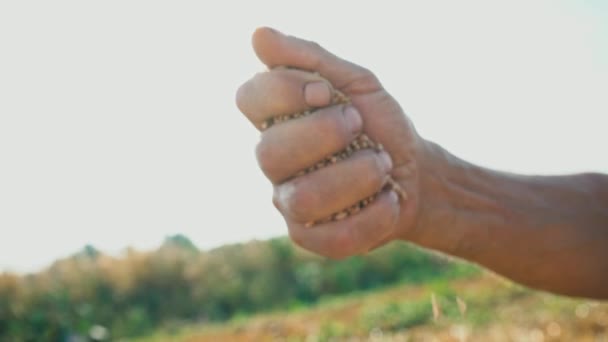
x: 451, y: 191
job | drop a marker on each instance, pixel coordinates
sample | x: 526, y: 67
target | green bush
x: 140, y: 291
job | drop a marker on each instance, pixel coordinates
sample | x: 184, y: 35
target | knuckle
x: 275, y: 80
x: 366, y: 81
x: 369, y: 78
x: 241, y: 97
x: 299, y: 201
x: 365, y: 72
x: 293, y: 200
x: 314, y: 45
x: 315, y: 54
x: 266, y: 91
x: 264, y: 153
x: 281, y: 92
x: 275, y: 200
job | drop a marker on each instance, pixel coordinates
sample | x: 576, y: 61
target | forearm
x: 545, y: 232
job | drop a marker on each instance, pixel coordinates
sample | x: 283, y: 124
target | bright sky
x: 118, y: 125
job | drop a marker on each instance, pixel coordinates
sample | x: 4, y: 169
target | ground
x: 482, y: 307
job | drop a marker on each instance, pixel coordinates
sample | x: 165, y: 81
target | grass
x: 477, y: 307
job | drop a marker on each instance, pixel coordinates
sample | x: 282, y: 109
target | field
x: 481, y: 307
x: 272, y: 291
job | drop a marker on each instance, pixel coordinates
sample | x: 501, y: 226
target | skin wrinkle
x: 461, y: 188
x: 500, y: 214
x: 465, y: 243
x: 365, y: 84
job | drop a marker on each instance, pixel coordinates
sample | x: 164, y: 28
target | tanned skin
x: 546, y: 232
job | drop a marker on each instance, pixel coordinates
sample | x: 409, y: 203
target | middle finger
x: 294, y: 145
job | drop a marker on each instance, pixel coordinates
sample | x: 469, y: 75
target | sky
x: 118, y: 125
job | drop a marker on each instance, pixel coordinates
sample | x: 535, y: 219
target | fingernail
x: 386, y: 162
x: 353, y: 119
x: 317, y: 94
x: 393, y: 197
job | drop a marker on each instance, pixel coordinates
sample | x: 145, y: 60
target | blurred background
x: 131, y: 205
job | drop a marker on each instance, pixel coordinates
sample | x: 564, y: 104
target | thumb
x: 276, y: 49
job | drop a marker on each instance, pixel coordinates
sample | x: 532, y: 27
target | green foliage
x: 397, y: 316
x: 332, y: 331
x: 133, y: 294
x: 180, y: 241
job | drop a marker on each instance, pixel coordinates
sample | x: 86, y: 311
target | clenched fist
x: 519, y: 226
x: 295, y: 145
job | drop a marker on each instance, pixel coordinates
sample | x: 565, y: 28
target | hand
x: 518, y: 226
x: 294, y: 145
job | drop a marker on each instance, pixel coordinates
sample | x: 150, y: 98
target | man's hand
x: 292, y: 146
x: 548, y: 232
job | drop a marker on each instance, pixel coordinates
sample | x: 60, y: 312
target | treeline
x: 105, y: 297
